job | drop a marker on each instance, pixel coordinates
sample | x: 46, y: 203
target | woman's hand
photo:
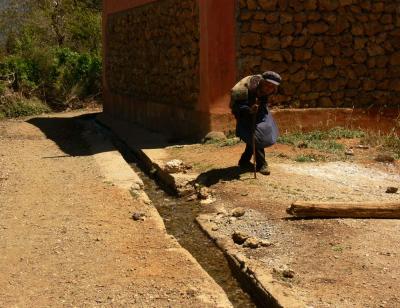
x: 254, y: 109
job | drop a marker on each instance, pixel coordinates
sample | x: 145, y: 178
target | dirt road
x: 337, y: 262
x: 66, y: 233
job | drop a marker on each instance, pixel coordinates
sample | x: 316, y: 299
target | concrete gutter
x: 117, y: 171
x: 149, y: 148
x: 268, y: 291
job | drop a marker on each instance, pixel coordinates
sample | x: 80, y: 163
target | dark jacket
x: 266, y: 131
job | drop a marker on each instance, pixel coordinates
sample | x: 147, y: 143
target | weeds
x: 388, y: 142
x: 321, y: 140
x: 230, y: 142
x: 224, y: 143
x: 337, y: 248
x: 19, y: 107
x: 309, y: 158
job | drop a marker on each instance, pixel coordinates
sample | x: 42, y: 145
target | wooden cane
x: 254, y: 141
x: 254, y: 150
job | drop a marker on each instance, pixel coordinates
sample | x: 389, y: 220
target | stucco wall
x: 331, y: 53
x: 153, y: 53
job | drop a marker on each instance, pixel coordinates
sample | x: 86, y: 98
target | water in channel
x: 179, y: 218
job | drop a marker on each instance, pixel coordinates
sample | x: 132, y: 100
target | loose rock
x: 232, y: 220
x: 288, y: 273
x: 191, y: 198
x: 349, y: 152
x: 175, y: 166
x: 265, y: 243
x: 285, y: 272
x: 252, y: 243
x: 203, y: 193
x: 207, y: 201
x: 213, y: 137
x: 138, y: 217
x: 392, y: 190
x: 384, y: 158
x: 238, y: 212
x: 239, y: 237
x: 302, y: 145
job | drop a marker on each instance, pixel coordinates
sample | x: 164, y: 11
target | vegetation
x: 387, y: 142
x: 309, y: 158
x: 22, y: 107
x: 321, y: 140
x: 50, y: 50
x: 327, y: 141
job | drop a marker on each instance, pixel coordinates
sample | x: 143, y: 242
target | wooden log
x: 315, y: 209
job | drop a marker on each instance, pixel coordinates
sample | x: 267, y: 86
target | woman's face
x: 266, y: 88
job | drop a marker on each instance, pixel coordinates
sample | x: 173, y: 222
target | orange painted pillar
x: 217, y: 61
x: 217, y: 54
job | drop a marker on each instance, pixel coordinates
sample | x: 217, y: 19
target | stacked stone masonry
x: 331, y: 53
x: 153, y: 53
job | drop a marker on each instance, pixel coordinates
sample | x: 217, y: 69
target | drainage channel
x: 179, y: 218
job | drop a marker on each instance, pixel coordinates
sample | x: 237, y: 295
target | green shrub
x: 52, y: 48
x: 13, y: 108
x: 54, y: 75
x: 77, y: 71
x: 3, y: 88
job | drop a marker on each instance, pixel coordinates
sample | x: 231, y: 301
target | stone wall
x: 331, y: 53
x: 152, y: 53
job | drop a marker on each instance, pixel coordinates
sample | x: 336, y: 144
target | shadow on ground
x: 214, y: 176
x: 67, y: 133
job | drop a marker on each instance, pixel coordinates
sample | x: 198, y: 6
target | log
x: 315, y: 209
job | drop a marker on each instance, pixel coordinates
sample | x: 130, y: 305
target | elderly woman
x: 249, y: 106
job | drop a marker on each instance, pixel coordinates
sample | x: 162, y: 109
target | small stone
x: 252, y: 243
x: 175, y: 166
x: 362, y: 147
x: 138, y: 217
x: 238, y: 212
x: 349, y: 152
x: 288, y: 273
x: 203, y: 193
x: 191, y: 198
x: 239, y: 237
x: 384, y: 158
x: 302, y: 145
x: 207, y: 201
x: 232, y: 220
x: 265, y: 243
x: 212, y: 137
x: 392, y: 190
x: 285, y: 272
x: 221, y: 211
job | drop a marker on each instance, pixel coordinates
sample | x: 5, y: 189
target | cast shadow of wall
x: 68, y: 134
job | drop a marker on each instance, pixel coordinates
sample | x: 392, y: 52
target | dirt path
x: 66, y: 237
x: 337, y: 262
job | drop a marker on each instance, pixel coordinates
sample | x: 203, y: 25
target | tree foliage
x: 51, y: 48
